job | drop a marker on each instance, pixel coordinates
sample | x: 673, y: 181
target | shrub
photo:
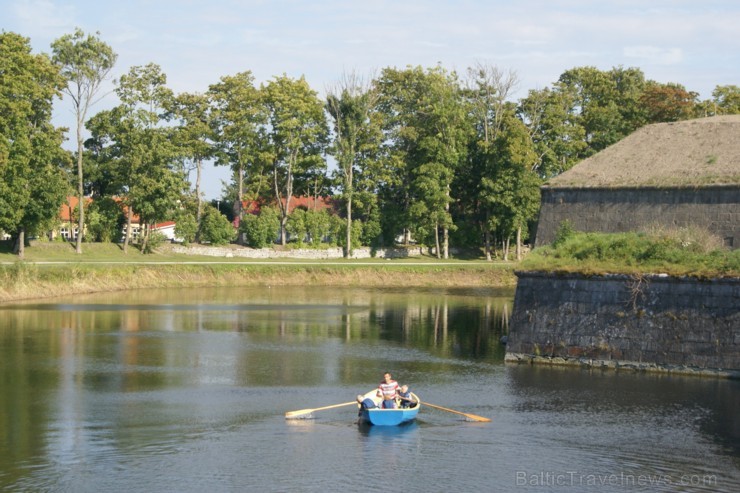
x: 564, y: 233
x: 215, y: 228
x: 260, y: 231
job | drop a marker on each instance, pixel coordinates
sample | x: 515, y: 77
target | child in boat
x: 405, y: 394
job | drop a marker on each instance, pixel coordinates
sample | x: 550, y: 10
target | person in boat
x: 405, y: 394
x: 388, y: 390
x: 365, y: 404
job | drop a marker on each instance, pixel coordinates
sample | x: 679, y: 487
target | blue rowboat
x: 389, y: 417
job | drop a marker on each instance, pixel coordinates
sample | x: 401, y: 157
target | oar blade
x: 300, y: 414
x: 469, y: 417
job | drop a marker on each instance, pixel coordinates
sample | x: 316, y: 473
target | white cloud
x: 43, y: 18
x: 654, y: 54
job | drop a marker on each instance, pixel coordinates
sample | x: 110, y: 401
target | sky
x: 693, y: 43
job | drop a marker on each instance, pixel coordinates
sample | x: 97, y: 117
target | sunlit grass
x: 678, y: 252
x: 54, y: 269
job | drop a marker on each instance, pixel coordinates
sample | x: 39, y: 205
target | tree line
x: 445, y: 159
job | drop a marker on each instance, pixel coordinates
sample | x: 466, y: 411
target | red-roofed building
x: 305, y: 203
x: 69, y: 219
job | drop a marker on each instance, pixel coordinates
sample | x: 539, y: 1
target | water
x: 186, y: 390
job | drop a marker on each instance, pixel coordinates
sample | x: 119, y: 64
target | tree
x: 607, y: 103
x: 194, y: 137
x: 32, y: 183
x: 351, y: 103
x: 151, y: 182
x: 427, y: 128
x: 487, y: 89
x: 297, y: 135
x: 512, y: 190
x: 558, y: 137
x: 667, y: 102
x: 726, y: 100
x: 238, y: 120
x: 85, y: 62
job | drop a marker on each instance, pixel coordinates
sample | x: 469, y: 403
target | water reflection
x: 185, y: 390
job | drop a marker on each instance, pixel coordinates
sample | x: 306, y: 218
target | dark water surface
x: 186, y: 390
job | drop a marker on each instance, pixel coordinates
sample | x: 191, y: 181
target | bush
x: 154, y: 241
x: 215, y: 228
x: 564, y: 233
x: 260, y: 231
x: 186, y: 226
x: 679, y: 252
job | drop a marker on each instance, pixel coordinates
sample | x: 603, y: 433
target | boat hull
x: 389, y: 417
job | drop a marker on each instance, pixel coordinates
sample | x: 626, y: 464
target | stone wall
x: 619, y: 210
x: 656, y: 323
x: 232, y: 251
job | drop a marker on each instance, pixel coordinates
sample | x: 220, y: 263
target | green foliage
x: 32, y: 184
x: 309, y: 226
x: 186, y: 226
x: 260, y: 230
x: 85, y: 62
x: 154, y: 241
x: 296, y: 226
x: 683, y: 251
x: 297, y: 133
x: 104, y: 220
x: 564, y: 233
x: 215, y: 228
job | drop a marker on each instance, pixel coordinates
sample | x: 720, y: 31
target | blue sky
x: 694, y: 43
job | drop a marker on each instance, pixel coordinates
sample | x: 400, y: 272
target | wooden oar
x: 469, y: 416
x: 301, y: 412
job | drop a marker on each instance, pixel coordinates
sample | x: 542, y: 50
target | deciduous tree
x: 297, y: 133
x: 85, y: 62
x: 32, y: 183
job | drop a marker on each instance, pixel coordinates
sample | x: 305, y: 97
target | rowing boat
x: 389, y: 417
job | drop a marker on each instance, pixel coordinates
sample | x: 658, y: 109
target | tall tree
x: 32, y: 185
x: 607, y: 103
x: 238, y: 121
x: 151, y: 180
x: 512, y: 189
x: 488, y: 89
x: 427, y: 128
x: 85, y: 61
x: 297, y: 135
x: 555, y: 129
x: 351, y: 103
x: 194, y: 138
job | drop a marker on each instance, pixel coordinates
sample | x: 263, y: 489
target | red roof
x: 308, y: 203
x: 70, y: 207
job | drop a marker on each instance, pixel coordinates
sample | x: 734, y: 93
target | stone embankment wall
x: 305, y: 254
x: 618, y: 210
x: 651, y: 322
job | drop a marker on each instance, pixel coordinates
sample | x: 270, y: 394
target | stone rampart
x: 651, y: 322
x: 615, y: 210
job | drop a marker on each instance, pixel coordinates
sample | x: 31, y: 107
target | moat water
x: 186, y: 390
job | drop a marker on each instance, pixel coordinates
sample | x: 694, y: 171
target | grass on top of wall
x: 678, y: 252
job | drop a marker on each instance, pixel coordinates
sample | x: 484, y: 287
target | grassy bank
x: 680, y: 252
x: 105, y: 268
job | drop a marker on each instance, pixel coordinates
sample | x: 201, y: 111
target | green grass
x: 54, y: 269
x: 679, y: 252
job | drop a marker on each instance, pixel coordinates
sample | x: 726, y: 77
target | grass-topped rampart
x: 677, y: 252
x: 53, y: 269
